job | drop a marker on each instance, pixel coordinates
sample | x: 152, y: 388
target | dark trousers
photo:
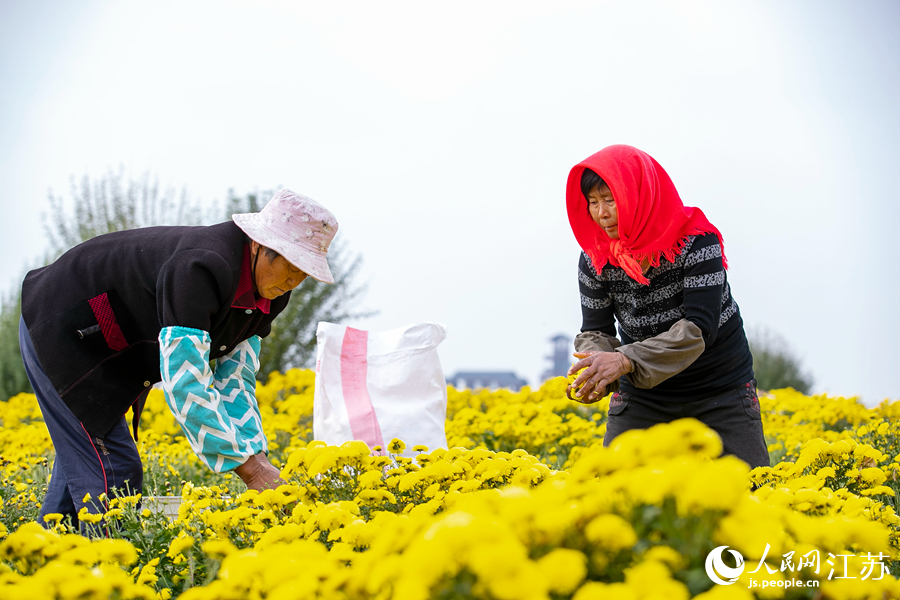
x: 734, y: 415
x: 84, y: 464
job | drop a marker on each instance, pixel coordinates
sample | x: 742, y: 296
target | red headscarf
x: 653, y: 222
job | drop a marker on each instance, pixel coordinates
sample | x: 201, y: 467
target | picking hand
x: 600, y: 370
x: 259, y: 474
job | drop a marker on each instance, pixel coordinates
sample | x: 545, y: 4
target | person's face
x: 602, y: 207
x: 275, y: 277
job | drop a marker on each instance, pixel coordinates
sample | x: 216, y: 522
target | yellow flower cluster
x: 526, y: 503
x: 24, y: 440
x: 791, y: 419
x: 544, y: 422
x: 37, y: 563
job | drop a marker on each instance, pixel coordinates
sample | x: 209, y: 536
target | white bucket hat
x: 297, y: 227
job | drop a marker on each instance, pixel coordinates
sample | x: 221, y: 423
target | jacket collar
x: 245, y: 297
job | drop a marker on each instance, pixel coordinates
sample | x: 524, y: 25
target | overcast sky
x: 441, y: 135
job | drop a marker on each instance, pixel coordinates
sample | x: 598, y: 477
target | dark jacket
x: 95, y: 314
x: 683, y: 332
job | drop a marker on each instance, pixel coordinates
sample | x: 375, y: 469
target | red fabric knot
x: 653, y: 223
x: 628, y: 264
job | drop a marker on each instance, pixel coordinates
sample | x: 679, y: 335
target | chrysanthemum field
x: 526, y: 504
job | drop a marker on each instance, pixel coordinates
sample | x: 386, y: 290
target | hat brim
x: 311, y: 261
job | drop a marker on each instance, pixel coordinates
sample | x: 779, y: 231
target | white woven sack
x: 378, y: 386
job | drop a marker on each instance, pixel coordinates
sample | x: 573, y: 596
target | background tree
x: 113, y: 204
x: 775, y: 364
x: 12, y: 372
x: 107, y: 204
x: 100, y: 206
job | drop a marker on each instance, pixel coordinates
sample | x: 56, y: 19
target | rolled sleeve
x: 656, y: 359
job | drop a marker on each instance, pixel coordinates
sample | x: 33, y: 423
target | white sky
x: 441, y: 135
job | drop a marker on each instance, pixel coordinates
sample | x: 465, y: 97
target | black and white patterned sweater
x: 694, y: 287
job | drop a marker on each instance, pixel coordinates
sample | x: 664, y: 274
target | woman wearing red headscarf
x: 657, y: 268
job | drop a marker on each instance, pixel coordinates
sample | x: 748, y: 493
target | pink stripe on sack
x: 363, y: 421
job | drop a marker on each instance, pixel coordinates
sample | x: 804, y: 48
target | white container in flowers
x: 167, y: 505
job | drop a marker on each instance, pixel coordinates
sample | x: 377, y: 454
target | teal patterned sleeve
x: 217, y: 412
x: 235, y: 380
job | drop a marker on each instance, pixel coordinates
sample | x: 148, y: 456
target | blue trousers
x: 84, y: 464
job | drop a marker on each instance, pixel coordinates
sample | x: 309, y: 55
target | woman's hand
x: 259, y: 474
x: 600, y: 370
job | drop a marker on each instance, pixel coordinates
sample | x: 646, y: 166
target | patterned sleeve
x: 235, y: 380
x: 704, y: 285
x: 596, y: 305
x: 217, y: 412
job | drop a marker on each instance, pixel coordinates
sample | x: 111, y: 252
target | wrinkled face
x: 602, y: 207
x: 274, y: 277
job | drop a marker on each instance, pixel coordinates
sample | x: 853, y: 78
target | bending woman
x: 124, y: 310
x: 657, y: 268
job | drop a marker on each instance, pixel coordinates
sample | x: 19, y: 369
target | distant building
x: 561, y: 357
x: 492, y: 380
